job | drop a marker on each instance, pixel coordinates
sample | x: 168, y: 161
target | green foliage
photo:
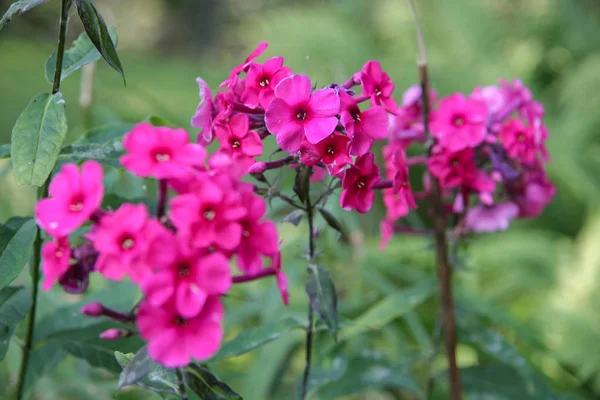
x: 15, y: 302
x: 335, y: 224
x: 206, y: 386
x: 16, y: 248
x: 82, y: 52
x: 322, y: 296
x: 19, y: 7
x: 37, y: 138
x: 98, y: 33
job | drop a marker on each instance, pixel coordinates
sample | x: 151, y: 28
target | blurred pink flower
x: 497, y: 217
x: 261, y: 81
x: 56, y: 257
x: 357, y: 184
x: 378, y: 86
x: 363, y: 127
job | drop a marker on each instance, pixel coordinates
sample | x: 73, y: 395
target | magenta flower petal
x: 294, y: 89
x: 324, y: 103
x: 317, y: 129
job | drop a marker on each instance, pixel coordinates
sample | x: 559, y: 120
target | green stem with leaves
x: 180, y: 382
x: 42, y: 192
x: 310, y: 326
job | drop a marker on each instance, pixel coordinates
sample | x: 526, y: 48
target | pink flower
x: 210, y: 215
x: 493, y: 218
x: 282, y: 283
x: 121, y: 241
x: 205, y: 112
x: 459, y: 123
x: 259, y: 238
x: 184, y: 274
x: 493, y: 97
x: 73, y: 199
x: 173, y: 339
x: 332, y: 151
x: 386, y: 230
x: 295, y: 113
x: 362, y: 126
x: 519, y: 141
x: 261, y: 81
x: 233, y: 75
x: 358, y: 182
x: 532, y: 193
x: 459, y: 170
x: 237, y: 140
x: 56, y: 257
x: 378, y: 86
x: 160, y: 152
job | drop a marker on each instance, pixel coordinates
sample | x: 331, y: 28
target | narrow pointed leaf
x: 254, y: 338
x: 333, y: 222
x: 96, y: 29
x: 322, y: 296
x: 206, y: 386
x: 138, y: 368
x: 100, y: 353
x: 37, y: 138
x: 159, y: 379
x: 294, y: 217
x: 390, y: 308
x: 16, y: 253
x: 14, y: 306
x: 19, y: 7
x: 82, y: 52
x: 301, y: 183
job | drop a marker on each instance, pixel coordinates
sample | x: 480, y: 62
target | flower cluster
x: 179, y: 257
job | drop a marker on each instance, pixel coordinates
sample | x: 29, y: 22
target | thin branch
x: 444, y: 269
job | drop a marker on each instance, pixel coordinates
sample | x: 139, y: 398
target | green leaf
x: 206, y: 386
x: 158, y: 379
x: 155, y: 120
x: 302, y: 183
x: 14, y: 306
x: 390, y: 308
x: 107, y: 153
x: 363, y: 372
x: 104, y: 134
x: 333, y: 222
x: 94, y: 26
x: 37, y: 138
x: 254, y: 338
x: 294, y: 217
x: 82, y: 52
x: 41, y: 361
x: 321, y: 293
x: 495, y: 382
x: 100, y: 353
x: 19, y: 7
x: 17, y: 251
x: 5, y: 151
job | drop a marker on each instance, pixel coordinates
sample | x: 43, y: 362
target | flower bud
x: 111, y: 334
x: 93, y: 309
x: 258, y: 167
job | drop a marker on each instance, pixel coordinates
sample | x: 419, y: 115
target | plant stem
x: 251, y: 277
x: 182, y: 391
x: 161, y: 207
x: 60, y: 52
x: 43, y: 192
x: 35, y: 277
x: 444, y: 269
x: 310, y: 327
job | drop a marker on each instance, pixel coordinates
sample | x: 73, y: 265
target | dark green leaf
x: 8, y: 230
x: 37, y: 138
x: 94, y: 26
x: 205, y: 385
x: 5, y: 151
x: 294, y: 217
x: 19, y: 7
x: 104, y: 134
x: 14, y: 306
x: 362, y: 373
x: 390, y: 308
x: 82, y: 52
x: 17, y: 251
x: 100, y: 353
x: 155, y: 120
x: 333, y: 222
x: 140, y: 366
x: 107, y: 153
x: 158, y: 379
x: 302, y: 183
x: 322, y: 297
x: 253, y: 338
x: 41, y: 361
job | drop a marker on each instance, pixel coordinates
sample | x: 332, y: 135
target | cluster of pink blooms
x: 487, y: 154
x: 180, y: 257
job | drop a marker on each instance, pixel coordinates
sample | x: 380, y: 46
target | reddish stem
x: 251, y: 277
x: 239, y: 107
x: 386, y: 184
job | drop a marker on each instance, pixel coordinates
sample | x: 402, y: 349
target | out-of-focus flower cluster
x: 179, y: 257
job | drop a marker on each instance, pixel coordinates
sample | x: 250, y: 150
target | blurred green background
x: 537, y: 283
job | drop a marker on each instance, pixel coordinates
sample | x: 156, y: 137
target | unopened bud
x: 93, y: 309
x: 258, y: 167
x: 111, y: 334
